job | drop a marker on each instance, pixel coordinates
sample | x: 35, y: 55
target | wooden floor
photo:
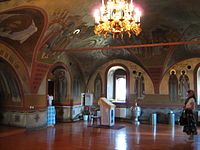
x: 78, y: 136
x: 8, y: 131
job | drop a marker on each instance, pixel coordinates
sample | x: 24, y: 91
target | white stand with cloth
x: 107, y: 110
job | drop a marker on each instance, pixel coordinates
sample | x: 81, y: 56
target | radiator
x: 120, y: 112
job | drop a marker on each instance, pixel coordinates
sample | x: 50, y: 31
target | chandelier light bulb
x: 96, y: 16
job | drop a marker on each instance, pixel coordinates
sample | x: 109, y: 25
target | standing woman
x: 190, y: 126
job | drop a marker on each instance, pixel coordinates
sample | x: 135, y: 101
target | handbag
x: 183, y: 118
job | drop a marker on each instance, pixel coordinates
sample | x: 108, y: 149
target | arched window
x: 117, y: 84
x: 120, y: 92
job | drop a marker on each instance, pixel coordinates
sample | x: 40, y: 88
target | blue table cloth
x: 51, y: 115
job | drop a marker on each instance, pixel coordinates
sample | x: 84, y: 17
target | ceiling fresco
x: 20, y: 29
x: 68, y: 25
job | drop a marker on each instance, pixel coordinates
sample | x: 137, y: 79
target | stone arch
x: 179, y: 66
x: 11, y: 91
x: 18, y: 65
x: 131, y: 67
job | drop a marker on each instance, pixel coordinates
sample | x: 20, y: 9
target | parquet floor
x: 78, y: 136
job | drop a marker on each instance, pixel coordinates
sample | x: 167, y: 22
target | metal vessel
x: 136, y: 111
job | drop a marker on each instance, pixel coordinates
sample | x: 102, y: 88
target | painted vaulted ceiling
x: 51, y: 30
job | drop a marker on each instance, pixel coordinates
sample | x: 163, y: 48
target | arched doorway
x: 60, y: 86
x: 57, y: 84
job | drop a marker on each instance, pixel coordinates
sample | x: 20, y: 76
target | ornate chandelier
x: 117, y: 17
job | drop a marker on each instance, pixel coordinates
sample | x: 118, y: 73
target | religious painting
x: 139, y: 88
x: 76, y: 89
x: 97, y: 87
x: 173, y: 86
x: 184, y: 85
x: 60, y: 84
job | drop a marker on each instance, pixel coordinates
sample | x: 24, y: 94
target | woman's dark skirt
x: 190, y: 126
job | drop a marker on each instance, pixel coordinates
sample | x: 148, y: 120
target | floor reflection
x: 173, y: 132
x: 154, y: 131
x: 77, y: 136
x: 50, y: 137
x: 137, y: 132
x: 121, y: 141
